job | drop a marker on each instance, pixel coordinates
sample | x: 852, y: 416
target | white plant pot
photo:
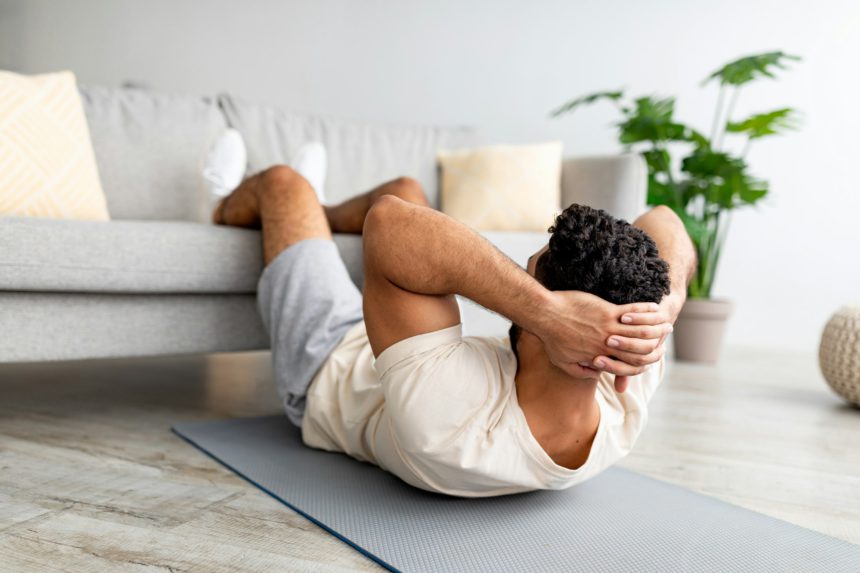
x: 698, y: 334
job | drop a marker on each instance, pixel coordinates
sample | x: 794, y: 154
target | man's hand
x: 634, y: 349
x: 676, y: 248
x: 578, y: 326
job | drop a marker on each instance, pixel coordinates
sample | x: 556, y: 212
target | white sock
x: 311, y: 162
x: 225, y: 163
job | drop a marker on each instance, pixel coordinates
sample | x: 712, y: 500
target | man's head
x: 591, y: 251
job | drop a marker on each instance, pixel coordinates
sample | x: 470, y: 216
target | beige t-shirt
x: 440, y: 411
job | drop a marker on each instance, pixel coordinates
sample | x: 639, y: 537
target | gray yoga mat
x: 618, y: 521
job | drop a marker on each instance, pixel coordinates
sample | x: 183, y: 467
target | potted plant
x: 708, y: 182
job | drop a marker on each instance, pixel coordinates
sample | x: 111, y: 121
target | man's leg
x: 267, y: 199
x: 348, y: 217
x: 306, y: 299
x: 305, y: 296
x: 280, y: 201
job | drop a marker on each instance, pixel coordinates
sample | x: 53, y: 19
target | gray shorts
x: 308, y: 303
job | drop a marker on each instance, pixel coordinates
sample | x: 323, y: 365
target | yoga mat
x: 618, y: 521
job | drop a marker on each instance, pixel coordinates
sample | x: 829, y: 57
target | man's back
x: 440, y: 411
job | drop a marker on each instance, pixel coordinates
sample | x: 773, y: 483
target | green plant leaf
x: 695, y: 228
x: 660, y: 193
x: 749, y: 68
x: 726, y: 193
x: 721, y: 179
x: 586, y: 100
x: 691, y: 188
x: 764, y: 124
x: 753, y: 191
x: 705, y: 163
x: 658, y: 160
x: 651, y: 121
x: 700, y: 140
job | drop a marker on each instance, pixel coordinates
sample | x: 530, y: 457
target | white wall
x: 502, y: 66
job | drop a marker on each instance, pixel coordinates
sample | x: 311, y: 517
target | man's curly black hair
x: 592, y: 251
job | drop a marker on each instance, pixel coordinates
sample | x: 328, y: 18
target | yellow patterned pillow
x: 503, y: 187
x: 47, y: 165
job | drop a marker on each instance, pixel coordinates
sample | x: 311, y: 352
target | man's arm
x: 416, y: 259
x: 676, y: 248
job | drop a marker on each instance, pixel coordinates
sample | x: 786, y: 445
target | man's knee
x: 283, y: 179
x: 384, y: 211
x: 408, y: 189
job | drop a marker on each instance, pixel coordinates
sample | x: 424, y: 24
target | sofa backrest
x: 150, y: 149
x: 360, y: 155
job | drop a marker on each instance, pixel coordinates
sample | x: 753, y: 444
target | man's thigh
x: 290, y: 211
x: 308, y: 303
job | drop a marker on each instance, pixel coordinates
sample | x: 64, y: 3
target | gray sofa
x: 159, y: 279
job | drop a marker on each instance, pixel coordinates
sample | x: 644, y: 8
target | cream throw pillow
x: 47, y: 165
x: 503, y: 187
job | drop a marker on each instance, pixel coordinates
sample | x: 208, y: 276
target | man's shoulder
x: 492, y: 347
x: 494, y: 343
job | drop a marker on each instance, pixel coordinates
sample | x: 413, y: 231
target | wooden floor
x: 91, y: 479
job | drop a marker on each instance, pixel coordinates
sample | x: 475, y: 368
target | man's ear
x: 540, y: 266
x: 514, y: 337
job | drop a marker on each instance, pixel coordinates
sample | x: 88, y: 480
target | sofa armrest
x: 615, y: 183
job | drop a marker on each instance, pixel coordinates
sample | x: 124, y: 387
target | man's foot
x: 310, y: 162
x: 225, y: 164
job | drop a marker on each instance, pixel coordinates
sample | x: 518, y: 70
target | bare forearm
x: 675, y: 247
x: 427, y: 252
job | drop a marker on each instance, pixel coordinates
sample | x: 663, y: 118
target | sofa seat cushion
x: 127, y: 256
x: 137, y: 257
x: 42, y: 255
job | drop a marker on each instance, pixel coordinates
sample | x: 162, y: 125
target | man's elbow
x: 665, y: 214
x: 663, y: 217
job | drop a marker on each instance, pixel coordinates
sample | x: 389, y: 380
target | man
x: 388, y: 378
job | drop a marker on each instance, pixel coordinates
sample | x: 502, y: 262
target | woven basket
x: 839, y: 353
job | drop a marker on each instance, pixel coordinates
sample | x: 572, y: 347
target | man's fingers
x: 640, y: 359
x: 617, y: 367
x: 635, y: 345
x: 579, y: 369
x: 645, y: 332
x: 646, y: 318
x: 621, y: 383
x: 638, y: 307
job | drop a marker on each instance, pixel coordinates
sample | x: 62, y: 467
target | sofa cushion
x: 137, y: 256
x: 47, y: 165
x: 150, y: 149
x: 127, y: 256
x: 360, y: 156
x: 617, y: 184
x: 503, y: 187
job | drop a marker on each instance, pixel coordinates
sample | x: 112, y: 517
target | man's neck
x: 561, y: 411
